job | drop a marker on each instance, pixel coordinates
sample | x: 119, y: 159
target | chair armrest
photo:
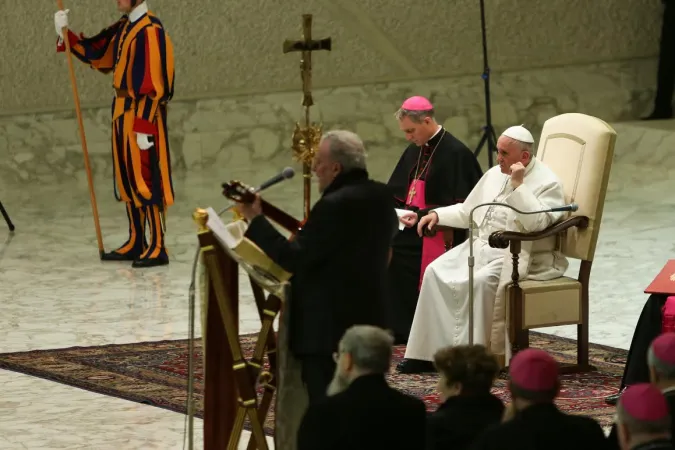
x: 501, y: 239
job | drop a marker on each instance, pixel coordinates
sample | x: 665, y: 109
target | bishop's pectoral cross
x: 411, y: 195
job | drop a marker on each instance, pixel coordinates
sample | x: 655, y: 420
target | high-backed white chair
x: 579, y: 149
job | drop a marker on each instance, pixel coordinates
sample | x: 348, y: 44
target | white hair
x: 370, y: 347
x: 346, y: 148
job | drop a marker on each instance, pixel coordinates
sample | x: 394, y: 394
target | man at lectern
x: 339, y: 259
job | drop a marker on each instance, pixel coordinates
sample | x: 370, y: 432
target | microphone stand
x: 489, y: 135
x: 572, y: 207
x: 6, y: 216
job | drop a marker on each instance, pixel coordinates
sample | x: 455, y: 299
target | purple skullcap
x: 417, y: 103
x: 644, y: 401
x: 664, y: 347
x: 534, y: 370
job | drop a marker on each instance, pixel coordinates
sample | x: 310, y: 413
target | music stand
x: 489, y: 135
x: 6, y: 216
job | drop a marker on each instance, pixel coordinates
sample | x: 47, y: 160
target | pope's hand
x: 143, y: 141
x: 61, y: 21
x: 429, y: 221
x: 250, y: 210
x: 517, y: 174
x: 408, y: 219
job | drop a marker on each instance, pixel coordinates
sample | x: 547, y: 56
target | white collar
x: 138, y: 12
x: 438, y: 130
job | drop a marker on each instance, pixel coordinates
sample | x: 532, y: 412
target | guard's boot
x: 136, y: 244
x: 155, y: 254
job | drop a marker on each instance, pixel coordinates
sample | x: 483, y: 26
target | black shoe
x: 410, y: 366
x: 115, y: 256
x: 161, y: 260
x: 614, y: 398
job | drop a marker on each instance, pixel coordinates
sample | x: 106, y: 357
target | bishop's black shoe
x: 614, y: 398
x: 410, y: 366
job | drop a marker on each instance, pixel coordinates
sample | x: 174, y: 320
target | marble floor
x: 55, y: 293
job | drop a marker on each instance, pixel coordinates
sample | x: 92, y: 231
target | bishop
x: 435, y: 170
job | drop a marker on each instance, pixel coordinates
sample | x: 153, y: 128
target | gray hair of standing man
x: 346, y: 148
x: 414, y: 115
x: 370, y: 348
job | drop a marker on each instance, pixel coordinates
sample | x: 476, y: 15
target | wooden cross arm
x: 501, y: 239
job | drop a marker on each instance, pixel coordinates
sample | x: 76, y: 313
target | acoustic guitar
x: 241, y: 193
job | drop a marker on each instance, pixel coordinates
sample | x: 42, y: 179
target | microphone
x: 285, y: 174
x: 570, y: 207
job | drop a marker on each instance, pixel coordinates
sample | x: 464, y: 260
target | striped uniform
x: 140, y: 57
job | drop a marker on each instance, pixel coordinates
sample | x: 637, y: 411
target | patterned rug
x: 155, y: 373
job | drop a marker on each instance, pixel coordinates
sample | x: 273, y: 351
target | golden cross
x: 411, y: 194
x: 307, y: 45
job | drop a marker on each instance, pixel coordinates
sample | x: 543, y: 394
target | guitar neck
x: 284, y: 219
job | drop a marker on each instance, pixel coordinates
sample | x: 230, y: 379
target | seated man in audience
x: 643, y: 419
x: 650, y: 325
x: 532, y: 421
x: 660, y: 362
x: 361, y: 410
x: 442, y: 314
x: 339, y: 274
x: 467, y: 374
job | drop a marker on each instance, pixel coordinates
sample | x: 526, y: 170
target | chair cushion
x: 549, y: 303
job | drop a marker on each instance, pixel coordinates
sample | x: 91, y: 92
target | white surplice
x: 442, y: 314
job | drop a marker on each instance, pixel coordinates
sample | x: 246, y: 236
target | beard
x: 338, y: 384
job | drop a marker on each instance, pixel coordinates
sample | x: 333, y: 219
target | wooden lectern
x: 230, y: 380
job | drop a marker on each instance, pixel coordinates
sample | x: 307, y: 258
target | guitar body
x: 238, y: 192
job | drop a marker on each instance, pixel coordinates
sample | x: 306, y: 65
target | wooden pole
x: 83, y: 139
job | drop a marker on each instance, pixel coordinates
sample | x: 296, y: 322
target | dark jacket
x: 368, y: 415
x: 543, y: 427
x: 339, y: 262
x: 459, y: 420
x: 613, y: 438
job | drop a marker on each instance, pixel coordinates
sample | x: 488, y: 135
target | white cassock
x: 442, y: 313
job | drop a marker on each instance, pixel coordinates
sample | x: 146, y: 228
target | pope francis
x: 442, y: 314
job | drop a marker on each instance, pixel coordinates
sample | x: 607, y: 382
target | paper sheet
x: 229, y: 235
x: 400, y: 213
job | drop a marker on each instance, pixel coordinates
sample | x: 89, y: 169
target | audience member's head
x: 661, y: 360
x: 642, y: 416
x: 465, y: 370
x: 534, y: 378
x: 363, y: 350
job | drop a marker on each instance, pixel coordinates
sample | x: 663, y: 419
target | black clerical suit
x: 450, y: 171
x: 460, y: 419
x: 339, y: 265
x: 613, y: 438
x: 368, y: 415
x: 648, y: 328
x: 543, y: 427
x: 666, y: 69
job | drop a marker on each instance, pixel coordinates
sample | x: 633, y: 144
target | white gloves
x: 143, y: 141
x: 60, y: 21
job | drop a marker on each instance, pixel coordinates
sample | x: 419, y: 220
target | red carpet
x: 155, y: 373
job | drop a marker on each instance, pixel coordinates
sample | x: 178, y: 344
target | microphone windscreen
x: 288, y: 172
